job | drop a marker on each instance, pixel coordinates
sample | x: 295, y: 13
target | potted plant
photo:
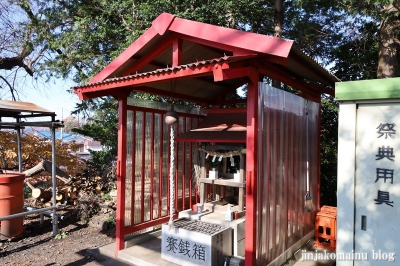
x: 213, y: 164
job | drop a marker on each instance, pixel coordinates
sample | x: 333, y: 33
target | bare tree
x: 20, y: 47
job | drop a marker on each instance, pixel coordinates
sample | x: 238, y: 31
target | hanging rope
x: 308, y: 202
x: 171, y: 181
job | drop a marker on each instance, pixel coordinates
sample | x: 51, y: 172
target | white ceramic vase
x: 213, y: 174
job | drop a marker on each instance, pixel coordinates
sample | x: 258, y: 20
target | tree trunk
x: 34, y: 170
x: 388, y: 48
x: 278, y: 18
x: 47, y: 166
x: 278, y: 29
x: 41, y: 194
x: 59, y: 173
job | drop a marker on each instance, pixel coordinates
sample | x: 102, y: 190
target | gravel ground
x: 38, y: 246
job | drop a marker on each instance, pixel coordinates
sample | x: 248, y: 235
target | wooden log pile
x: 68, y: 188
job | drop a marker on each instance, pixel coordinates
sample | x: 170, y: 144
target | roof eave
x: 235, y: 40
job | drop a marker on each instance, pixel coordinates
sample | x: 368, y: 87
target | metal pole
x: 60, y: 217
x: 19, y: 147
x: 12, y: 216
x: 53, y: 179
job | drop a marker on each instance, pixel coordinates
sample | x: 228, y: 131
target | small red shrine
x: 276, y: 133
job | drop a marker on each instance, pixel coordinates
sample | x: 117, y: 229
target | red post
x: 121, y: 173
x: 177, y: 52
x: 152, y: 168
x: 160, y: 169
x: 251, y: 167
x: 143, y: 170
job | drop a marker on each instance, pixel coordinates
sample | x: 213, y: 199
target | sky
x: 54, y: 98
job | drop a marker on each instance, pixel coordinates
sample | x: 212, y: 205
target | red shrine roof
x: 203, y: 63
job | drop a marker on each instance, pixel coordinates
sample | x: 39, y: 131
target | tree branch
x: 11, y: 88
x: 10, y: 63
x: 40, y: 53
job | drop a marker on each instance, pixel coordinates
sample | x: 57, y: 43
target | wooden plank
x: 222, y: 182
x: 202, y: 193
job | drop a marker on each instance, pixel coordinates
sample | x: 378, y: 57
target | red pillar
x: 251, y: 167
x: 121, y: 174
x: 177, y: 52
x: 319, y: 156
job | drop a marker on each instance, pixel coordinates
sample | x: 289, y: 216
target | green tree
x: 78, y: 38
x: 359, y: 38
x: 329, y: 147
x: 102, y: 125
x: 378, y: 21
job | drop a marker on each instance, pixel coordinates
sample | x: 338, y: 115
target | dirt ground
x: 38, y: 246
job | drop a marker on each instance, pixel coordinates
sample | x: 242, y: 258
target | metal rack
x: 17, y: 112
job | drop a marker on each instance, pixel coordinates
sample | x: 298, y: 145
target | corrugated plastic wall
x: 282, y: 166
